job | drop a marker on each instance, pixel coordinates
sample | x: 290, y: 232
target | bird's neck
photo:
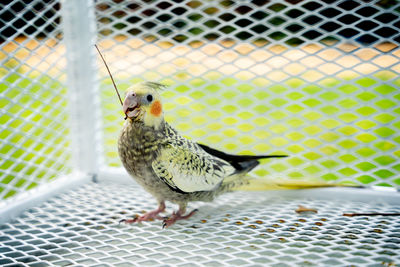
x: 140, y: 134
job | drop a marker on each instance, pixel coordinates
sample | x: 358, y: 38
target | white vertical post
x: 79, y: 27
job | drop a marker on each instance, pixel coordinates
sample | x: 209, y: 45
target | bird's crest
x: 156, y: 86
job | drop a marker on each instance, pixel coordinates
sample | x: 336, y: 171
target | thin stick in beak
x: 112, y: 79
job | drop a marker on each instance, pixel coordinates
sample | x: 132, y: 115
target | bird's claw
x: 148, y: 217
x: 176, y: 216
x: 129, y: 221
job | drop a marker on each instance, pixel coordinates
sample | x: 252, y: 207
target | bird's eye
x: 149, y: 98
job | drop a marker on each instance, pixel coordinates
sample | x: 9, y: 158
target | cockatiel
x: 169, y: 166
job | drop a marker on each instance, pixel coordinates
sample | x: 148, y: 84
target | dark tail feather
x: 245, y: 166
x: 240, y: 162
x: 230, y: 157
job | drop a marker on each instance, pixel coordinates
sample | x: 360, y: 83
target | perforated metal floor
x: 80, y: 227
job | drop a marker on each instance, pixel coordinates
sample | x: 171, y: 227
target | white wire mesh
x: 33, y: 131
x: 316, y: 80
x: 81, y: 227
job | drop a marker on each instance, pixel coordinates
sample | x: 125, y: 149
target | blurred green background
x: 338, y: 130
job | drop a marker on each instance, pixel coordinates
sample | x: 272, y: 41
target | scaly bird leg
x: 178, y: 215
x: 149, y: 216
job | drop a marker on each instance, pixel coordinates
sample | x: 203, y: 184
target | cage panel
x: 35, y: 145
x: 313, y: 80
x: 81, y: 228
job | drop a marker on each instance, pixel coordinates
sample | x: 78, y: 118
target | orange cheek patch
x: 156, y: 109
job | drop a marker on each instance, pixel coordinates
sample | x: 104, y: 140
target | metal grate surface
x: 314, y: 79
x: 81, y: 227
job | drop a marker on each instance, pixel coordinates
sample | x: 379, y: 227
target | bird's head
x: 143, y: 104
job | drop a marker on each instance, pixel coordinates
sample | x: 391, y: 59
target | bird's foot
x: 176, y: 216
x: 149, y: 216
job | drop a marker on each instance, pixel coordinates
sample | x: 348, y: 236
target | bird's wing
x: 190, y: 170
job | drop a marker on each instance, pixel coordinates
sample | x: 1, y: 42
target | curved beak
x: 130, y: 106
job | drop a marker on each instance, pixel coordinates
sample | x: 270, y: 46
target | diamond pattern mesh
x: 316, y: 80
x: 33, y: 142
x: 239, y: 229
